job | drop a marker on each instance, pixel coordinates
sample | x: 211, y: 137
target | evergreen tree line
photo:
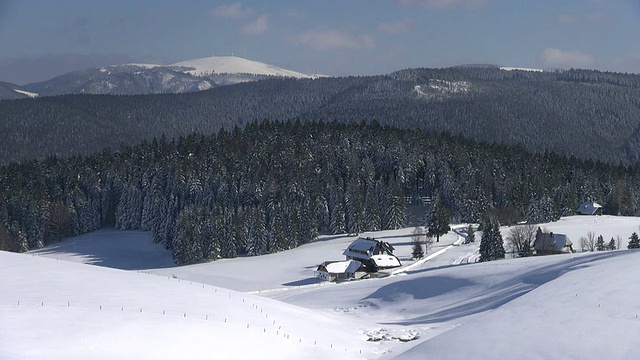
x: 273, y: 186
x: 588, y: 114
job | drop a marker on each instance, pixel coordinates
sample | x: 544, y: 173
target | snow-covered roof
x: 379, y: 252
x: 589, y: 208
x: 339, y: 267
x: 385, y: 261
x: 361, y: 247
x: 545, y: 240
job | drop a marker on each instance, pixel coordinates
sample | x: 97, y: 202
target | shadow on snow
x: 488, y: 299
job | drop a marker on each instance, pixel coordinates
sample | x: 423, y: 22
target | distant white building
x: 373, y: 254
x: 340, y: 270
x: 590, y: 208
x: 550, y: 243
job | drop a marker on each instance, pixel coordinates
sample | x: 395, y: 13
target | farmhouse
x: 373, y: 254
x: 590, y: 208
x: 341, y: 270
x: 550, y: 243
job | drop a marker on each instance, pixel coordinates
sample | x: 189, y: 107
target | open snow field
x: 573, y: 306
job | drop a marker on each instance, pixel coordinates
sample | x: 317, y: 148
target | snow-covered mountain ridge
x: 235, y: 65
x: 140, y: 78
x: 221, y: 65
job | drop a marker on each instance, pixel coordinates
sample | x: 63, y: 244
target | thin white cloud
x: 564, y: 58
x: 567, y: 19
x: 591, y: 19
x: 396, y: 27
x: 445, y: 4
x: 295, y: 14
x: 327, y: 40
x: 258, y: 26
x: 231, y: 11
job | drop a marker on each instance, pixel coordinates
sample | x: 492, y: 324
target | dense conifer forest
x: 587, y: 114
x: 272, y: 185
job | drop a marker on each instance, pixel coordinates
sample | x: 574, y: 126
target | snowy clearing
x: 575, y: 306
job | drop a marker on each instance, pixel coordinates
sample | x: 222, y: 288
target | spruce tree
x: 498, y: 243
x: 471, y: 235
x: 491, y: 243
x: 438, y: 221
x: 612, y: 244
x: 485, y: 241
x: 600, y: 246
x: 417, y: 252
x: 634, y: 241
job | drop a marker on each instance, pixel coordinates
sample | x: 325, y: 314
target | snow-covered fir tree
x: 634, y: 241
x: 491, y: 243
x: 600, y: 245
x: 438, y: 220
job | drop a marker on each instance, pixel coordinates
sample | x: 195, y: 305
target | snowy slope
x: 575, y: 306
x: 125, y: 250
x: 235, y: 65
x: 61, y: 310
x: 582, y: 307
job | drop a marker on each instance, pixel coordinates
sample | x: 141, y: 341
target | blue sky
x: 40, y: 39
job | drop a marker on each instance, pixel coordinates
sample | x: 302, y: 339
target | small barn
x: 590, y: 208
x: 341, y: 270
x: 550, y: 243
x: 373, y: 254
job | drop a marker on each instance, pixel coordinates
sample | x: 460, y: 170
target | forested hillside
x: 275, y: 185
x: 8, y: 91
x: 588, y: 114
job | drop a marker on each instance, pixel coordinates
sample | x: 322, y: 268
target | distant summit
x: 492, y: 66
x: 141, y: 79
x: 235, y: 65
